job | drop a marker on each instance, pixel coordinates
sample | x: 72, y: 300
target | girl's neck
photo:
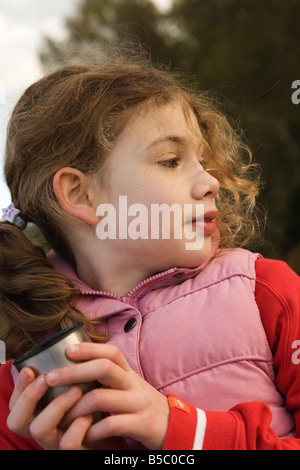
x: 117, y: 278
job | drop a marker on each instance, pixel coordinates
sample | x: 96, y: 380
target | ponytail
x: 34, y: 297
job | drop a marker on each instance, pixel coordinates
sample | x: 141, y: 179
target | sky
x: 22, y: 25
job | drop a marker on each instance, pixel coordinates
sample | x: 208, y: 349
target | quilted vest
x: 196, y: 333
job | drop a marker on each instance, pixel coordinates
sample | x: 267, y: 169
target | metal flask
x: 50, y: 354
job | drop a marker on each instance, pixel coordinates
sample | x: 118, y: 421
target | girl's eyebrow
x: 180, y: 141
x: 165, y: 139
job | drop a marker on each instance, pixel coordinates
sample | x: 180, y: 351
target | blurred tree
x: 98, y: 23
x: 246, y: 52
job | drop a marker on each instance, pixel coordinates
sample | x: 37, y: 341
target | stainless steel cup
x: 50, y: 354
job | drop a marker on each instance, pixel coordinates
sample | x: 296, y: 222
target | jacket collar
x: 166, y: 278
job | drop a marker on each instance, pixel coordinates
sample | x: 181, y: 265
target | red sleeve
x: 278, y: 298
x: 247, y: 425
x: 8, y: 439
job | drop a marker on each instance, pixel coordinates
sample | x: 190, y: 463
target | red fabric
x: 181, y: 429
x: 8, y: 439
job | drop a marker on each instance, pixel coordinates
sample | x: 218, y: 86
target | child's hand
x: 139, y: 410
x: 44, y: 427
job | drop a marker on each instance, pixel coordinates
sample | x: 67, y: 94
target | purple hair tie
x: 11, y: 214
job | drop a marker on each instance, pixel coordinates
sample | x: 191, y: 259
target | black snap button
x: 178, y: 275
x: 129, y: 325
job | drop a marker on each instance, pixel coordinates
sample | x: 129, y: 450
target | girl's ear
x: 75, y: 192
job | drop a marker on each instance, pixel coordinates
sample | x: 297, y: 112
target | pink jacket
x: 195, y: 333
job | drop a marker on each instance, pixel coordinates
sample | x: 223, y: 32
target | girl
x: 194, y: 348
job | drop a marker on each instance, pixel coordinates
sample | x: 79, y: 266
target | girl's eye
x: 170, y: 163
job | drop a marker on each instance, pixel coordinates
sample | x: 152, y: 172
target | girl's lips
x: 211, y: 215
x: 206, y: 225
x: 209, y: 227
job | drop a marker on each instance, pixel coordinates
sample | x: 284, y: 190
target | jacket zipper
x: 131, y: 294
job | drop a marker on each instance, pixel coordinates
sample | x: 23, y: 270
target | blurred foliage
x: 246, y: 51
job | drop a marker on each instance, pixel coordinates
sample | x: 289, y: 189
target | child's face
x: 157, y: 160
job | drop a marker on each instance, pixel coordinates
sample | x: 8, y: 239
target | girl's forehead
x: 152, y: 129
x: 152, y: 120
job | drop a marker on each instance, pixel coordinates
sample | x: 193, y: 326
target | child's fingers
x: 73, y: 437
x: 103, y: 370
x: 101, y: 400
x: 89, y: 351
x: 26, y: 376
x: 113, y: 426
x: 23, y: 408
x: 149, y: 427
x: 44, y: 427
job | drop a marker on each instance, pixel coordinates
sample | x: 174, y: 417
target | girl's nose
x: 205, y: 185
